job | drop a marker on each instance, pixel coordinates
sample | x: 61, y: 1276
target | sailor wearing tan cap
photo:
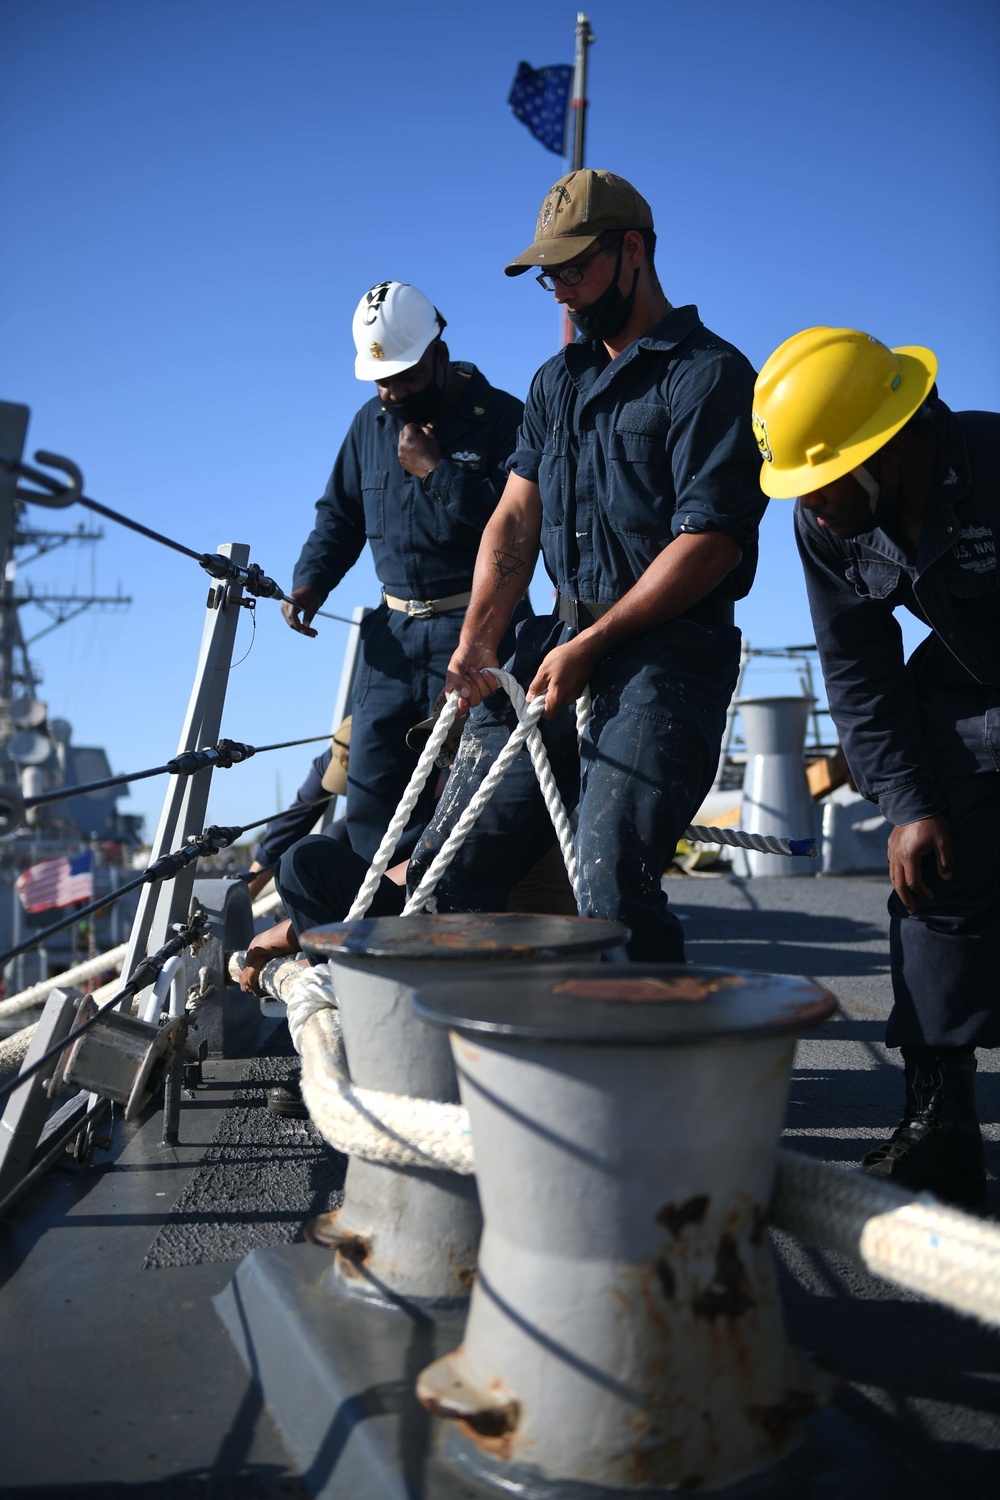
x: 635, y: 475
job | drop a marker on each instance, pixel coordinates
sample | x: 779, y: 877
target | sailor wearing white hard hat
x: 417, y: 478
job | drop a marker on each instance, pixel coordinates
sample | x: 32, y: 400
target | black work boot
x: 938, y: 1148
x: 286, y: 1099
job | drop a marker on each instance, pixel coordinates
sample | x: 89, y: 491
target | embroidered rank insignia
x: 479, y: 411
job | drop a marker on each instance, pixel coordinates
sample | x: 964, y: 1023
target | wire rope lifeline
x: 221, y: 756
x: 209, y: 841
x: 191, y: 934
x: 56, y: 494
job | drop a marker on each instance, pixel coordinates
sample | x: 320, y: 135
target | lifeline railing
x: 167, y: 884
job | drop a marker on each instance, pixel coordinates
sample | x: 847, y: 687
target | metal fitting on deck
x: 407, y: 1231
x: 625, y: 1327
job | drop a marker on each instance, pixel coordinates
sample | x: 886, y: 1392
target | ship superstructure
x: 37, y: 751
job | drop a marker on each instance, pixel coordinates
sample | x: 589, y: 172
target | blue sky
x: 197, y: 193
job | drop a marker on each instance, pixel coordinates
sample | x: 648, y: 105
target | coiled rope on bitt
x: 305, y: 1002
x: 377, y: 1126
x: 915, y: 1242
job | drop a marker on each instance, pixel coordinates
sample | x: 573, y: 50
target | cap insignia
x: 373, y: 301
x: 375, y: 350
x: 557, y: 198
x: 760, y: 433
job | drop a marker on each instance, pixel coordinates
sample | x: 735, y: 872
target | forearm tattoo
x: 507, y: 563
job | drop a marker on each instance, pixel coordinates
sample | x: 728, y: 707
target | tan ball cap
x: 576, y: 210
x: 335, y: 775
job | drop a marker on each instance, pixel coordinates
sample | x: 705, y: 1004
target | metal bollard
x: 228, y: 1020
x: 625, y: 1328
x: 776, y: 796
x: 409, y: 1231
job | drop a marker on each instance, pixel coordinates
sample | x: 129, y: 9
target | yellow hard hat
x: 829, y: 398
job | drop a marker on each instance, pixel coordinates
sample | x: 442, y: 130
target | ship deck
x: 117, y: 1377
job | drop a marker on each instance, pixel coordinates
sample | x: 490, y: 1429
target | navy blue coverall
x: 300, y: 818
x: 923, y: 738
x: 424, y: 535
x: 627, y: 456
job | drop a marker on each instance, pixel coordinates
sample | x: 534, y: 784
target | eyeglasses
x: 573, y: 275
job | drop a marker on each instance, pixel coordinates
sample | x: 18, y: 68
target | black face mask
x: 606, y: 316
x: 422, y: 406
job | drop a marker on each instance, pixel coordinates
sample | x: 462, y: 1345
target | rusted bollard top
x: 660, y: 1004
x: 476, y: 937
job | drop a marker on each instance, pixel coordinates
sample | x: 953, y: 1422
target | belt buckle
x: 418, y: 609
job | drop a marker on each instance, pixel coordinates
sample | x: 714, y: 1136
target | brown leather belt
x: 422, y: 609
x: 581, y: 612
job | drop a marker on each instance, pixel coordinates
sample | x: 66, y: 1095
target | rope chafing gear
x: 144, y: 973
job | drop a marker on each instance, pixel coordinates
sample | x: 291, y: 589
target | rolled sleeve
x: 712, y: 451
x: 527, y: 456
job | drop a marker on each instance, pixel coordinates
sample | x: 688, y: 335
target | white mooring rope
x: 14, y: 1048
x: 36, y: 993
x: 526, y: 732
x: 916, y: 1243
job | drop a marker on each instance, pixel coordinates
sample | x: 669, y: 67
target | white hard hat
x: 393, y: 325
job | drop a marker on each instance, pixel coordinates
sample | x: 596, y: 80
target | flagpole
x: 578, y: 105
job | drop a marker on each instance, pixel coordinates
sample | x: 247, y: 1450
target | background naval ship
x: 38, y: 755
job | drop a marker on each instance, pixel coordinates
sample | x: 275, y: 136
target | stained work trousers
x: 945, y: 960
x: 647, y: 760
x: 318, y: 879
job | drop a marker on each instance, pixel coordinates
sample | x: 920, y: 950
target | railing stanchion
x: 186, y: 802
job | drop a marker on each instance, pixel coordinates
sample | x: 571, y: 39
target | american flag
x: 539, y: 98
x: 57, y: 882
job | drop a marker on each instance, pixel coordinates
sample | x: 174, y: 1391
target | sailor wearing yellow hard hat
x: 899, y: 506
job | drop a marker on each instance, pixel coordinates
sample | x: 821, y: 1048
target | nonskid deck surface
x: 924, y: 1380
x: 120, y: 1380
x: 116, y: 1379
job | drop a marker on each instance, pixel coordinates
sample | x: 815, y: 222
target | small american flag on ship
x: 56, y: 882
